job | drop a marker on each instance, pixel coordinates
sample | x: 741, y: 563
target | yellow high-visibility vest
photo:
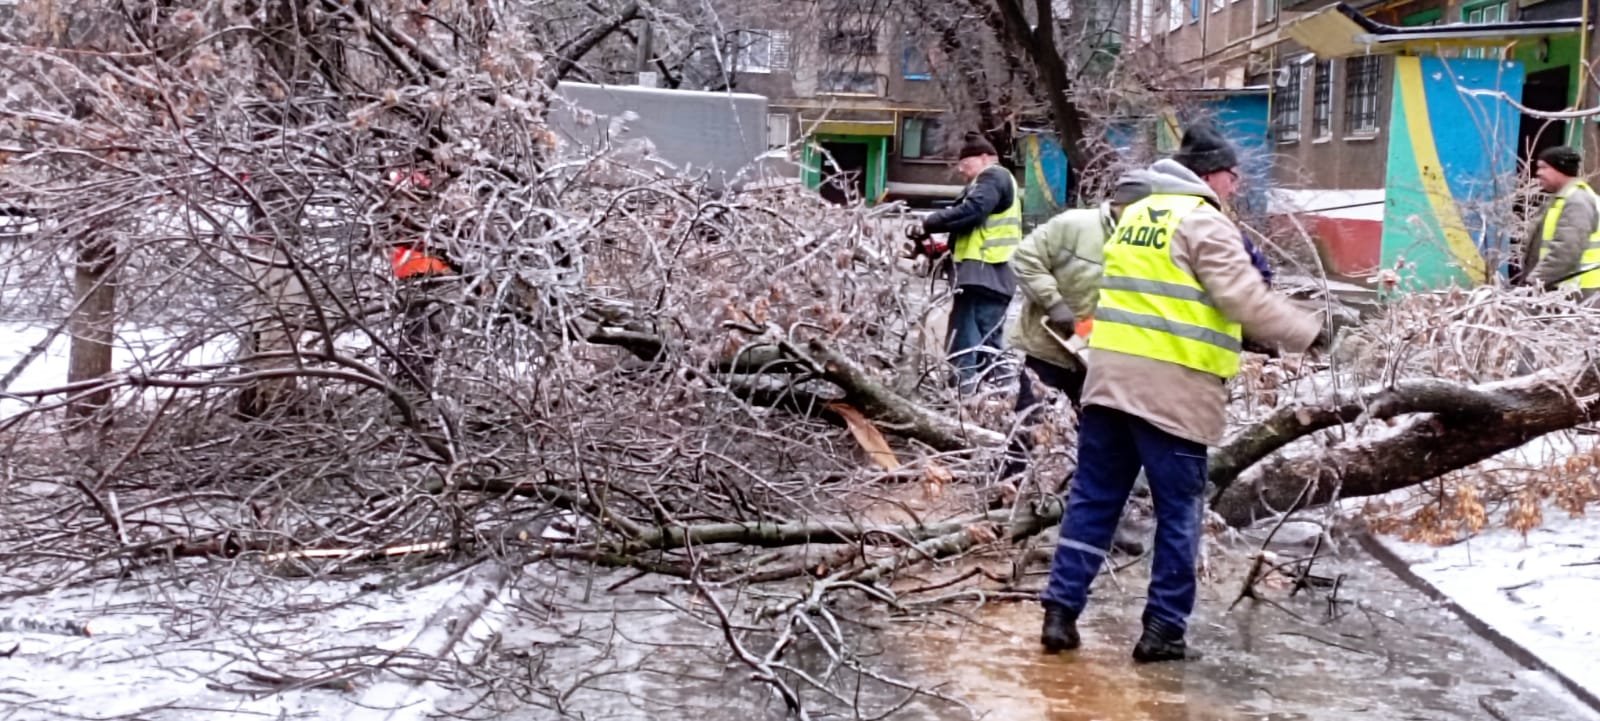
x: 996, y: 239
x: 1151, y: 307
x: 1591, y: 251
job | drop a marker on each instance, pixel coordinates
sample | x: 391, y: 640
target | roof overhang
x: 1340, y: 31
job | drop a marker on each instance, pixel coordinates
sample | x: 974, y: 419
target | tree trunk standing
x: 286, y: 69
x: 1050, y: 69
x: 93, y: 322
x: 275, y: 326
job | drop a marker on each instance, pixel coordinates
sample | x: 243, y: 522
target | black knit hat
x: 1205, y: 151
x: 1564, y: 159
x: 975, y: 144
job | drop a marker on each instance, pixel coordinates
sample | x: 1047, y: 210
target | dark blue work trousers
x: 1112, y: 446
x: 977, y: 317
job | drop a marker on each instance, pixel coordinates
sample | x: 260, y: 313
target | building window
x: 1361, y: 94
x: 777, y: 130
x: 850, y: 82
x: 762, y: 51
x: 1174, y: 14
x: 914, y: 64
x: 1287, y: 122
x: 1266, y: 11
x: 1426, y: 18
x: 1322, y: 100
x: 1483, y: 13
x: 1218, y: 5
x: 924, y: 139
x: 1194, y: 11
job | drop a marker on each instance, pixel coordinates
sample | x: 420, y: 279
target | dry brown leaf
x: 867, y: 435
x: 982, y: 533
x: 934, y: 480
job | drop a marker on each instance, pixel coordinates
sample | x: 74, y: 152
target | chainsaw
x: 1077, y: 346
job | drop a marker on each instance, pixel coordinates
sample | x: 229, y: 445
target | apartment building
x: 869, y: 101
x: 1391, y: 126
x: 855, y: 103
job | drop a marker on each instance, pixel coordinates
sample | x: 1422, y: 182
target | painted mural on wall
x: 1452, y: 160
x: 1044, y: 171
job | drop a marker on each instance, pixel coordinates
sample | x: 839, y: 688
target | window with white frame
x: 777, y: 130
x: 1286, y: 121
x: 762, y: 51
x: 1266, y: 11
x: 1322, y: 99
x: 1483, y: 13
x: 1218, y: 5
x: 1141, y: 19
x: 1174, y: 14
x: 1361, y: 94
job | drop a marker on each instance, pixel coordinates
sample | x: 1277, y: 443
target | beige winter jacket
x: 1179, y: 400
x: 1059, y: 263
x: 1578, y: 219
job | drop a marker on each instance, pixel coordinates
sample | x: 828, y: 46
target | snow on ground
x: 148, y: 349
x: 133, y: 348
x: 1537, y: 592
x: 181, y: 651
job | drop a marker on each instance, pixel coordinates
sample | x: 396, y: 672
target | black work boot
x: 1060, y: 629
x: 1161, y: 643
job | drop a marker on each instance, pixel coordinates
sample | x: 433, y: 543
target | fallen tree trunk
x: 1291, y: 423
x: 1457, y: 427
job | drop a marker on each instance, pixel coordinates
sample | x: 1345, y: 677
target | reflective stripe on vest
x: 1151, y: 307
x: 997, y: 238
x: 1591, y: 251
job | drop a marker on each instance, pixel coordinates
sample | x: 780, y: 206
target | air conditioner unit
x: 1281, y: 77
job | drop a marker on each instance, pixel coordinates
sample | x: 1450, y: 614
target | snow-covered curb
x: 1532, y: 598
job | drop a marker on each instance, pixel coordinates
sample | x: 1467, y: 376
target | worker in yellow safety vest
x: 1178, y: 294
x: 984, y: 227
x: 1561, y: 248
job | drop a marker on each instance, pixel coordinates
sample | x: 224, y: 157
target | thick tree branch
x: 1464, y: 427
x: 572, y: 51
x: 1291, y: 423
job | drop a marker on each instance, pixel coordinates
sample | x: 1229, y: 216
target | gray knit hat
x: 1131, y: 188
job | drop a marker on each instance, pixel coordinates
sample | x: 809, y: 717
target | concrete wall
x: 718, y: 135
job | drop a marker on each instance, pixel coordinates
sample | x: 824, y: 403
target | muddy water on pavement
x: 1394, y: 656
